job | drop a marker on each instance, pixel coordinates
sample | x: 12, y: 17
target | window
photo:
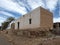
x: 18, y: 25
x: 30, y: 21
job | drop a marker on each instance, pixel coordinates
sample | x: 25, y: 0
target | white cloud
x: 1, y: 20
x: 8, y: 4
x: 51, y: 4
x: 7, y: 14
x: 12, y: 6
x: 56, y: 19
x: 35, y: 3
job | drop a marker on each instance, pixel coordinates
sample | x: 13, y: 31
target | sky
x: 17, y: 8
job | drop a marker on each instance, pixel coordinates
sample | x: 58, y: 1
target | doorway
x: 18, y: 25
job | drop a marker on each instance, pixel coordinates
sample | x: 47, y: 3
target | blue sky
x: 16, y: 8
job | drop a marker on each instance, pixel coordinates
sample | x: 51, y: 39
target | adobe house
x: 38, y: 18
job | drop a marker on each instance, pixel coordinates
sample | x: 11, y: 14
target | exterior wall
x: 35, y: 15
x: 46, y: 18
x: 16, y: 21
x: 41, y: 18
x: 9, y: 26
x: 13, y: 26
x: 24, y: 20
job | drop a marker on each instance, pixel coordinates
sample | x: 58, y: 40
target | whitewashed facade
x: 38, y: 18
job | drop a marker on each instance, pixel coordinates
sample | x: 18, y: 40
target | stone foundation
x: 31, y: 32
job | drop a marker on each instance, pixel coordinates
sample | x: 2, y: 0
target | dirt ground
x: 20, y: 40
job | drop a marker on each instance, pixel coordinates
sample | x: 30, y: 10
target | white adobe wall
x: 9, y: 26
x: 24, y: 20
x: 35, y: 15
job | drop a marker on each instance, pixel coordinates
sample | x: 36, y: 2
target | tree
x: 4, y: 25
x: 10, y: 19
x: 7, y: 22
